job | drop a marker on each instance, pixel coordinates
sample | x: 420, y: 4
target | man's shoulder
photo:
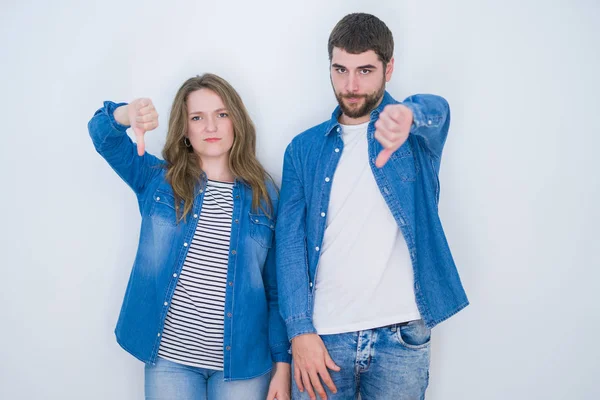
x: 311, y: 135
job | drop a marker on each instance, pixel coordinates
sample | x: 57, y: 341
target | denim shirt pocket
x: 261, y: 229
x: 404, y: 162
x: 162, y: 211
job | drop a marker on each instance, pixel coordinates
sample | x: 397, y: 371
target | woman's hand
x: 280, y: 382
x: 141, y: 115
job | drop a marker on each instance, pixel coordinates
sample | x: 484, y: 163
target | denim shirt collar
x: 334, y: 123
x: 204, y: 179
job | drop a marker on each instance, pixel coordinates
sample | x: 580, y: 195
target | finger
x: 271, y: 395
x: 139, y: 138
x: 385, y: 141
x: 147, y: 108
x: 383, y: 157
x: 308, y: 386
x: 393, y: 112
x: 327, y: 380
x: 298, y: 378
x: 147, y: 126
x: 142, y: 103
x: 316, y: 382
x: 146, y: 115
x: 329, y: 363
x: 389, y: 129
x: 386, y: 123
x: 402, y: 115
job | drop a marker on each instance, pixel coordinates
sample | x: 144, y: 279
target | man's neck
x: 346, y: 120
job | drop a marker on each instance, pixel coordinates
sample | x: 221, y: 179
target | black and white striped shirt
x: 193, y: 332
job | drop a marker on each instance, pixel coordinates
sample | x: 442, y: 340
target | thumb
x: 383, y: 157
x: 139, y: 138
x: 330, y: 364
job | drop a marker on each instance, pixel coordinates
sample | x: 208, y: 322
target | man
x: 363, y: 265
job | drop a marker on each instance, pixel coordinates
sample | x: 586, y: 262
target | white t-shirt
x: 365, y: 276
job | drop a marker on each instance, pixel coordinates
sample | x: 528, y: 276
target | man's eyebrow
x: 368, y: 66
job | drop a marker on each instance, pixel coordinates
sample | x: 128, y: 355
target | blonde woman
x: 200, y: 309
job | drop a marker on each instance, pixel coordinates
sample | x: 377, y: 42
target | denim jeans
x: 385, y: 363
x: 172, y: 381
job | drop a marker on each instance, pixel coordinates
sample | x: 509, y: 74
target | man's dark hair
x: 359, y: 32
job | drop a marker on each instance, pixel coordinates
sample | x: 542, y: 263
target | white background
x: 520, y: 186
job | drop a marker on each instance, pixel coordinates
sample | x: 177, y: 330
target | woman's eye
x: 196, y: 118
x: 223, y: 115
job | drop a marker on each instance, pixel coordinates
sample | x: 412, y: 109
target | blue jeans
x: 172, y: 381
x: 386, y: 363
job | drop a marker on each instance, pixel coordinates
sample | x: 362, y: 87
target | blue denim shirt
x: 254, y: 335
x: 409, y: 184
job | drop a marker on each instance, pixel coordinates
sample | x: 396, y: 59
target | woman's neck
x: 217, y: 169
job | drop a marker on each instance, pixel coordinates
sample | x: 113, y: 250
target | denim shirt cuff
x: 419, y: 118
x: 282, y: 357
x: 109, y: 108
x: 299, y: 326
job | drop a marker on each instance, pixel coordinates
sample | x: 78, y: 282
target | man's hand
x: 391, y: 130
x: 141, y: 115
x: 311, y: 361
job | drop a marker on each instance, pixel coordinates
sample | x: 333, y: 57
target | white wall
x: 520, y: 185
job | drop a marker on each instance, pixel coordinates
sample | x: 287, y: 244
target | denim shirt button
x: 228, y: 348
x: 230, y: 283
x: 322, y: 214
x: 166, y: 304
x: 237, y: 221
x: 174, y: 275
x: 317, y: 248
x: 327, y: 179
x: 195, y: 215
x: 233, y: 252
x: 310, y: 284
x: 229, y: 314
x: 337, y: 150
x: 185, y: 244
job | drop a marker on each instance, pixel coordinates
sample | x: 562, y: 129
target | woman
x: 201, y: 304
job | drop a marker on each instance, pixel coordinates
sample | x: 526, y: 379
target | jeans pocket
x: 414, y: 335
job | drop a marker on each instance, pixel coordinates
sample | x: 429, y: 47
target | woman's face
x: 210, y: 129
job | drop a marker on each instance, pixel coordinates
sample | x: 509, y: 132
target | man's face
x: 358, y: 81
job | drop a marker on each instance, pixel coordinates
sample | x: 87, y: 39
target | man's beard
x: 368, y: 105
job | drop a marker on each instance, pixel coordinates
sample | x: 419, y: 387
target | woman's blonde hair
x: 184, y: 167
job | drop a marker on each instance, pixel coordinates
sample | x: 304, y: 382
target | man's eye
x: 341, y: 70
x: 365, y: 71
